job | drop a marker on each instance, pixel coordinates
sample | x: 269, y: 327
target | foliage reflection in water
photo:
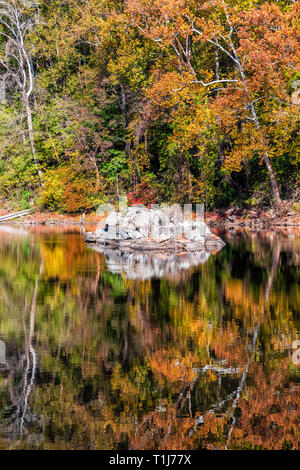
x: 96, y: 359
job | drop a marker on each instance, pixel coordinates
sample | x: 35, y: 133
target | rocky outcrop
x: 141, y: 229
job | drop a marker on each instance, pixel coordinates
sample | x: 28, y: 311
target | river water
x: 106, y: 351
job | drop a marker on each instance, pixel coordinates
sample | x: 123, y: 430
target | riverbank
x: 253, y: 219
x: 231, y: 218
x: 52, y: 218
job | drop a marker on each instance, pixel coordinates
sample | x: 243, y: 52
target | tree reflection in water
x: 196, y: 356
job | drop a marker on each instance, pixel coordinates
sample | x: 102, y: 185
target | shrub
x: 66, y: 191
x: 143, y: 194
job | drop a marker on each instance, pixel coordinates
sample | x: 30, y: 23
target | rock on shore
x: 141, y: 229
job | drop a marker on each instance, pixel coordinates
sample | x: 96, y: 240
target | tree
x: 18, y: 18
x: 242, y: 58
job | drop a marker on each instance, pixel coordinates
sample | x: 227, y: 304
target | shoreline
x: 256, y: 220
x: 49, y: 219
x: 229, y: 219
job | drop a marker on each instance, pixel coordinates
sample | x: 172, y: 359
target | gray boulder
x: 149, y: 229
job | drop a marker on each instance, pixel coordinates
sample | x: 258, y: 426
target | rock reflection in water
x: 142, y: 266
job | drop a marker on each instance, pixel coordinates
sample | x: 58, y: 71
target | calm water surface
x: 102, y: 351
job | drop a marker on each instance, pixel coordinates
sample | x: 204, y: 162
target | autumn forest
x: 162, y: 100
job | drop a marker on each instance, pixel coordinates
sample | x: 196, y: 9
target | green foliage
x: 115, y: 166
x: 25, y: 200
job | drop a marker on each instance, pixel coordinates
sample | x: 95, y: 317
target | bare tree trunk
x: 266, y: 158
x: 94, y: 161
x: 217, y: 69
x: 274, y: 184
x: 123, y: 106
x: 30, y: 132
x: 17, y: 59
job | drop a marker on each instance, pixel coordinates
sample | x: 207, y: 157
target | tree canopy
x: 168, y: 100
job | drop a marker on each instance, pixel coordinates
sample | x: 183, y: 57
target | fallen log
x: 16, y: 215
